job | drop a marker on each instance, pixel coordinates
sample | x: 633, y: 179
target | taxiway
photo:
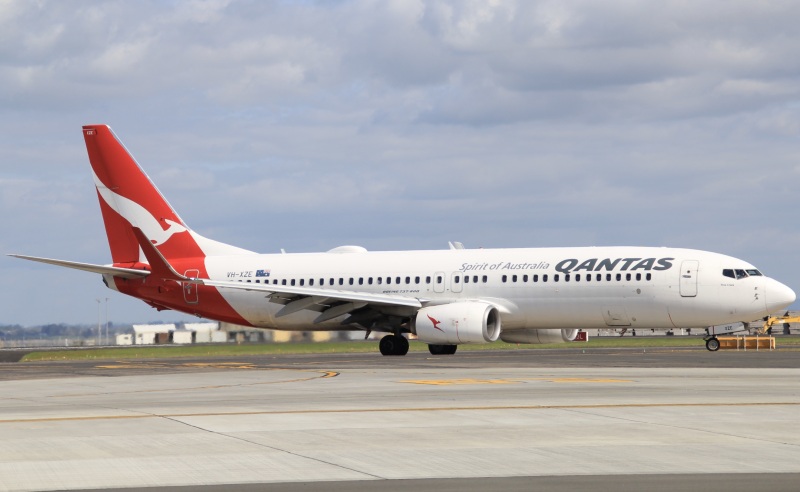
x: 550, y: 419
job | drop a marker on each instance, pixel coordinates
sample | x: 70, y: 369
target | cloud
x: 402, y: 124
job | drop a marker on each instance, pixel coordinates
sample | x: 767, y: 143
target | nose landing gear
x: 712, y: 344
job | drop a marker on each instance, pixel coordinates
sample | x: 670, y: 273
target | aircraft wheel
x: 393, y: 345
x: 712, y: 344
x: 402, y: 346
x: 435, y: 349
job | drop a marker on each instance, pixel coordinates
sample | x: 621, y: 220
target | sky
x: 397, y: 125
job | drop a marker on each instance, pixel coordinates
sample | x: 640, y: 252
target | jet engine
x: 548, y: 335
x: 457, y: 323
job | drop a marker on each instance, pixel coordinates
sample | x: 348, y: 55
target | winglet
x: 159, y: 266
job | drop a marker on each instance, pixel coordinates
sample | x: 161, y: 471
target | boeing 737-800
x: 445, y: 298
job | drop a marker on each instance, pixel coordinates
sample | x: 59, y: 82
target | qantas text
x: 608, y: 264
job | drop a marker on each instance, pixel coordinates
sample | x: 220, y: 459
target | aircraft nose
x: 779, y: 296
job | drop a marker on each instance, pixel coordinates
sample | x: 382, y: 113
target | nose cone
x: 779, y: 296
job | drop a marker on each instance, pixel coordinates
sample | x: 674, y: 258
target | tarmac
x: 551, y: 420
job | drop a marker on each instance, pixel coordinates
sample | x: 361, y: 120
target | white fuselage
x: 597, y: 287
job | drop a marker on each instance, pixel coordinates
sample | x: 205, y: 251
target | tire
x: 402, y: 345
x: 435, y: 349
x: 712, y: 344
x: 387, y: 345
x: 393, y: 345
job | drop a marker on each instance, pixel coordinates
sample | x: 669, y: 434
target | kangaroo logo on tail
x: 138, y: 216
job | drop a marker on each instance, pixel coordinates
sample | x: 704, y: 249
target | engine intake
x: 457, y: 323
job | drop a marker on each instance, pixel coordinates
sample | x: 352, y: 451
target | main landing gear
x: 394, y: 345
x: 398, y: 345
x: 442, y: 349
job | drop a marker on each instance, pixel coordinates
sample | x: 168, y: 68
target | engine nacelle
x: 457, y: 323
x: 548, y: 335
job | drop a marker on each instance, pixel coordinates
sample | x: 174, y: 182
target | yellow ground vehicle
x: 771, y: 321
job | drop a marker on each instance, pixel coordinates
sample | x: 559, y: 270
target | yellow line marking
x: 448, y: 382
x: 324, y: 375
x: 390, y: 410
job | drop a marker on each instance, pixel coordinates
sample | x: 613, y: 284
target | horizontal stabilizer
x: 90, y: 267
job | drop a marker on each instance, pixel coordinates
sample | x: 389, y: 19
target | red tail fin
x: 129, y: 199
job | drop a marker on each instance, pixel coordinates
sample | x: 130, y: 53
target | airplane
x: 444, y: 297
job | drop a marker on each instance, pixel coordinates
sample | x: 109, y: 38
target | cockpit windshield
x: 738, y: 273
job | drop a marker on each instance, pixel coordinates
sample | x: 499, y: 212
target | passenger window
x: 466, y: 279
x: 728, y: 272
x: 302, y: 282
x: 619, y: 277
x: 485, y: 279
x: 555, y: 278
x: 544, y: 278
x: 474, y: 279
x: 330, y: 281
x: 388, y: 280
x: 283, y: 282
x: 627, y: 276
x: 649, y: 276
x: 599, y: 277
x: 397, y: 280
x: 311, y: 282
x: 292, y: 282
x: 341, y: 281
x: 427, y: 279
x: 578, y: 277
x: 505, y: 278
x: 524, y: 278
x: 438, y: 279
x: 566, y: 278
x: 360, y: 280
x: 513, y: 278
x: 638, y: 276
x: 380, y: 280
x: 588, y: 277
x: 416, y: 280
x: 608, y: 277
x: 456, y: 279
x: 535, y: 278
x: 248, y: 281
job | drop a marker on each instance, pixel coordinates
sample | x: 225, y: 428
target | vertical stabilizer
x: 129, y: 199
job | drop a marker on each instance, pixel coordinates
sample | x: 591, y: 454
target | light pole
x: 98, y: 321
x: 106, y: 320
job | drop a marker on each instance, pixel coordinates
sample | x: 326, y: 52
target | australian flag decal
x: 262, y: 273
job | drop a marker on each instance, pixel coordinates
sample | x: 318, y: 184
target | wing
x: 89, y: 267
x: 330, y: 303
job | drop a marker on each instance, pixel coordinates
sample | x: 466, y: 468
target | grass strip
x: 232, y: 350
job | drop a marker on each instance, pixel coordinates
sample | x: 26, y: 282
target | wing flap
x: 329, y: 294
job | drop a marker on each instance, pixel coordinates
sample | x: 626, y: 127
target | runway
x: 553, y: 420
